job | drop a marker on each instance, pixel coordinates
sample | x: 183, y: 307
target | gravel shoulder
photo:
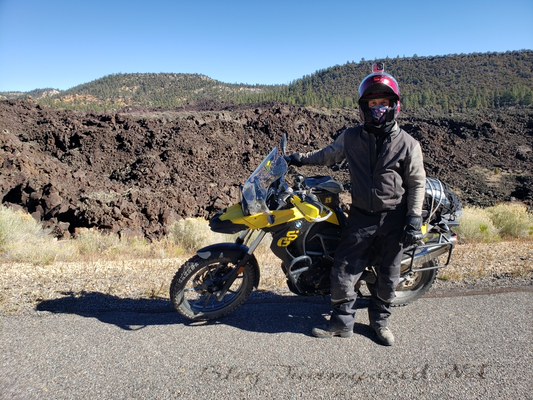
x: 143, y: 284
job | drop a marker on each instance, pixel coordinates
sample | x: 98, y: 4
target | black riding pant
x: 366, y: 235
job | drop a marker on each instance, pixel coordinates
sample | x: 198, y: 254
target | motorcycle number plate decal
x: 286, y: 240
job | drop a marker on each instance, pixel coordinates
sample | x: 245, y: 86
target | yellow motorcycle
x: 305, y: 220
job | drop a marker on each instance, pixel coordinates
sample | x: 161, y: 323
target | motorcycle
x: 305, y: 220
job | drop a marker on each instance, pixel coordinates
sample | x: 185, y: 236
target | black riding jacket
x: 384, y: 178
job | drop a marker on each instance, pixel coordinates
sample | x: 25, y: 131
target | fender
x: 234, y: 252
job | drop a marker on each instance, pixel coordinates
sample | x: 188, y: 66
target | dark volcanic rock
x: 137, y: 171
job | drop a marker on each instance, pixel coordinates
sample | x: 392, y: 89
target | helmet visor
x: 379, y: 85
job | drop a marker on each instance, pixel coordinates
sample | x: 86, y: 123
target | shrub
x: 90, y: 241
x: 191, y: 233
x: 22, y: 239
x: 512, y: 220
x: 17, y: 227
x: 475, y: 226
x: 194, y: 233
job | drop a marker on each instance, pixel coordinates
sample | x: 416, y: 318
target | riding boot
x: 343, y: 294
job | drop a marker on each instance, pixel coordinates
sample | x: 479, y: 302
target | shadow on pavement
x: 273, y: 314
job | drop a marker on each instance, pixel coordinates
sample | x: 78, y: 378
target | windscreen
x: 255, y: 189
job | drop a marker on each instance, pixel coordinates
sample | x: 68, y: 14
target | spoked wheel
x: 415, y: 285
x: 195, y: 289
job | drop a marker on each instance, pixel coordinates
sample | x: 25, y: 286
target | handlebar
x: 311, y: 199
x: 303, y: 193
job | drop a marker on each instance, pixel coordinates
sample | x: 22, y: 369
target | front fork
x: 243, y: 238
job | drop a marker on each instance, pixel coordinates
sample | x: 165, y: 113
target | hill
x: 136, y: 171
x: 478, y: 80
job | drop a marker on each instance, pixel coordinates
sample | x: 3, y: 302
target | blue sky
x: 63, y: 43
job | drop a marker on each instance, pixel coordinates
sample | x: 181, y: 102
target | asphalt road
x: 447, y: 347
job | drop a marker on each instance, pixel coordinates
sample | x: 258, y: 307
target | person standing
x: 387, y: 189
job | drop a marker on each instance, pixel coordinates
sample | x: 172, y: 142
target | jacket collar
x: 395, y: 130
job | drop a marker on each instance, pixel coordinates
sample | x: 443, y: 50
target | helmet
x: 377, y: 85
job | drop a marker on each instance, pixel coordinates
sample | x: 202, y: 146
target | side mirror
x: 283, y: 144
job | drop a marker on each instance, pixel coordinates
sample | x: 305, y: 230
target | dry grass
x: 25, y: 285
x: 36, y: 268
x: 503, y: 221
x: 477, y: 260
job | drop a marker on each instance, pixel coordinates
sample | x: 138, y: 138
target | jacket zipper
x: 373, y: 162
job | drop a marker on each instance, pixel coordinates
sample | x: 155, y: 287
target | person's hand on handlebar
x: 294, y: 159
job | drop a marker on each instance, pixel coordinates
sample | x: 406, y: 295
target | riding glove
x: 412, y: 233
x: 294, y: 159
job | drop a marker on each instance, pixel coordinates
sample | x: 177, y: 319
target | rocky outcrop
x: 136, y: 171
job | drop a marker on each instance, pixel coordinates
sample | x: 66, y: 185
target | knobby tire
x: 194, y: 287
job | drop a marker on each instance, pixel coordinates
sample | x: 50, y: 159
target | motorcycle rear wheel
x: 194, y: 287
x: 415, y: 286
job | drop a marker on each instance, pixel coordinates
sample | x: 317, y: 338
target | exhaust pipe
x: 422, y: 254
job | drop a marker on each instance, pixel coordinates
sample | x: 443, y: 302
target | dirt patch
x: 136, y: 171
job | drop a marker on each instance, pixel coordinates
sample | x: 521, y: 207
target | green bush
x: 506, y: 220
x: 476, y: 226
x: 512, y: 220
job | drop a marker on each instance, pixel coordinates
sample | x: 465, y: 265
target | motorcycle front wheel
x: 195, y: 286
x: 415, y: 285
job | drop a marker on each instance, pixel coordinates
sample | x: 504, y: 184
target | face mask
x: 379, y: 114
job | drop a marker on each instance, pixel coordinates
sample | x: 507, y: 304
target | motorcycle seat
x: 326, y: 183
